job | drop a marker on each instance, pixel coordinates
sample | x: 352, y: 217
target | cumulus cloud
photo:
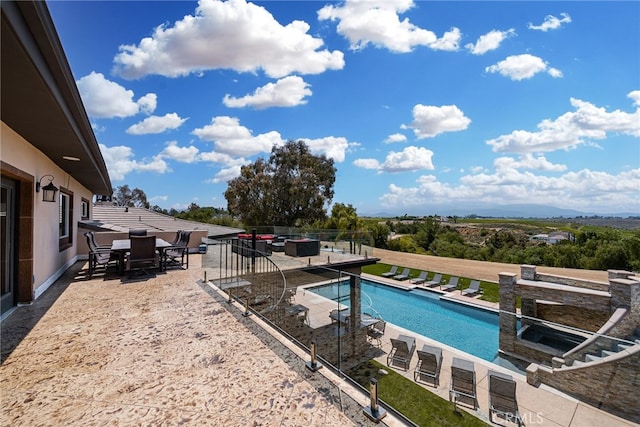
x: 119, y: 161
x: 378, y: 23
x: 489, y: 41
x: 527, y: 161
x: 156, y: 124
x: 551, y: 22
x: 585, y: 189
x: 229, y: 137
x: 571, y: 129
x: 226, y: 174
x: 287, y: 92
x: 331, y: 146
x: 396, y: 137
x: 180, y: 154
x: 520, y: 67
x: 106, y: 99
x: 408, y: 160
x: 227, y: 35
x: 430, y: 120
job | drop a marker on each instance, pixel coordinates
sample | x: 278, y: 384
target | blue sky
x: 426, y: 107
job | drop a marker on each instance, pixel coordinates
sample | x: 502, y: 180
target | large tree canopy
x: 292, y: 188
x: 124, y: 196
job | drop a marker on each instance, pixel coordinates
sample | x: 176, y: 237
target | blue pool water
x: 474, y: 331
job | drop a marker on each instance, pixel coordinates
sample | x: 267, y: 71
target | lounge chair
x: 406, y: 273
x: 421, y: 279
x: 463, y: 382
x: 402, y: 349
x: 434, y: 282
x: 473, y: 289
x: 429, y: 362
x: 453, y: 283
x: 502, y: 397
x: 391, y: 272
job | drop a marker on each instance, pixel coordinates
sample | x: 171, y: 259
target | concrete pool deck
x: 167, y: 351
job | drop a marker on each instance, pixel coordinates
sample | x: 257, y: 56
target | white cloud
x: 377, y: 22
x: 180, y: 154
x: 226, y: 174
x: 367, y: 163
x: 551, y: 22
x: 635, y: 96
x: 331, y: 146
x: 520, y: 67
x: 570, y: 129
x: 227, y: 35
x: 527, y: 161
x: 430, y: 120
x: 584, y: 190
x: 489, y: 41
x: 119, y: 162
x: 408, y: 160
x: 162, y: 198
x: 287, y: 92
x: 229, y: 137
x: 396, y: 137
x: 106, y: 99
x: 156, y: 124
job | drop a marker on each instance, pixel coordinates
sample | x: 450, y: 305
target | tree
x: 124, y: 196
x: 292, y: 188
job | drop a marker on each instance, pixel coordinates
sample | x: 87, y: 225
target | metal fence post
x: 374, y: 412
x: 313, y: 365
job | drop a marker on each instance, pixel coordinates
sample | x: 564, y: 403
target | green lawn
x: 414, y: 401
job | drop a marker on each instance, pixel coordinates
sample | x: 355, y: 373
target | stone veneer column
x: 626, y: 293
x: 528, y: 272
x: 507, y: 319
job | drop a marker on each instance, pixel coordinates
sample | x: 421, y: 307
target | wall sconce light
x: 48, y: 191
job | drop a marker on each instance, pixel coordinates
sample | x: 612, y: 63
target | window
x: 84, y: 205
x: 65, y: 219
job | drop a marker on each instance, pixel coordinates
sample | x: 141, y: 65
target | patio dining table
x: 122, y: 246
x: 343, y: 316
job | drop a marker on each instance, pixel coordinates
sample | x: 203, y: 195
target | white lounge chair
x: 453, y: 283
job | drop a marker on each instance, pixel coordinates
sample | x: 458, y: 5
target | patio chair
x: 375, y: 332
x: 502, y: 397
x: 402, y: 349
x: 406, y: 273
x: 99, y: 255
x: 391, y: 272
x: 434, y: 282
x: 143, y: 255
x: 421, y: 279
x: 175, y: 255
x: 463, y: 382
x: 453, y: 283
x: 473, y: 289
x: 92, y: 236
x: 139, y: 233
x: 429, y: 363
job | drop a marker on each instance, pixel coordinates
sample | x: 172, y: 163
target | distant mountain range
x: 500, y: 211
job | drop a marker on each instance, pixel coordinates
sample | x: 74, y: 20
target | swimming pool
x: 472, y: 330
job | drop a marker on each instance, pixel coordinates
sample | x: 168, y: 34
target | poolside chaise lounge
x: 391, y: 272
x: 421, y: 279
x: 473, y: 289
x: 453, y: 283
x: 402, y: 349
x: 406, y: 273
x: 463, y: 382
x: 429, y: 362
x: 434, y: 282
x: 502, y: 397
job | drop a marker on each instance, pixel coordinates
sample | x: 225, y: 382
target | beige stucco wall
x: 49, y: 262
